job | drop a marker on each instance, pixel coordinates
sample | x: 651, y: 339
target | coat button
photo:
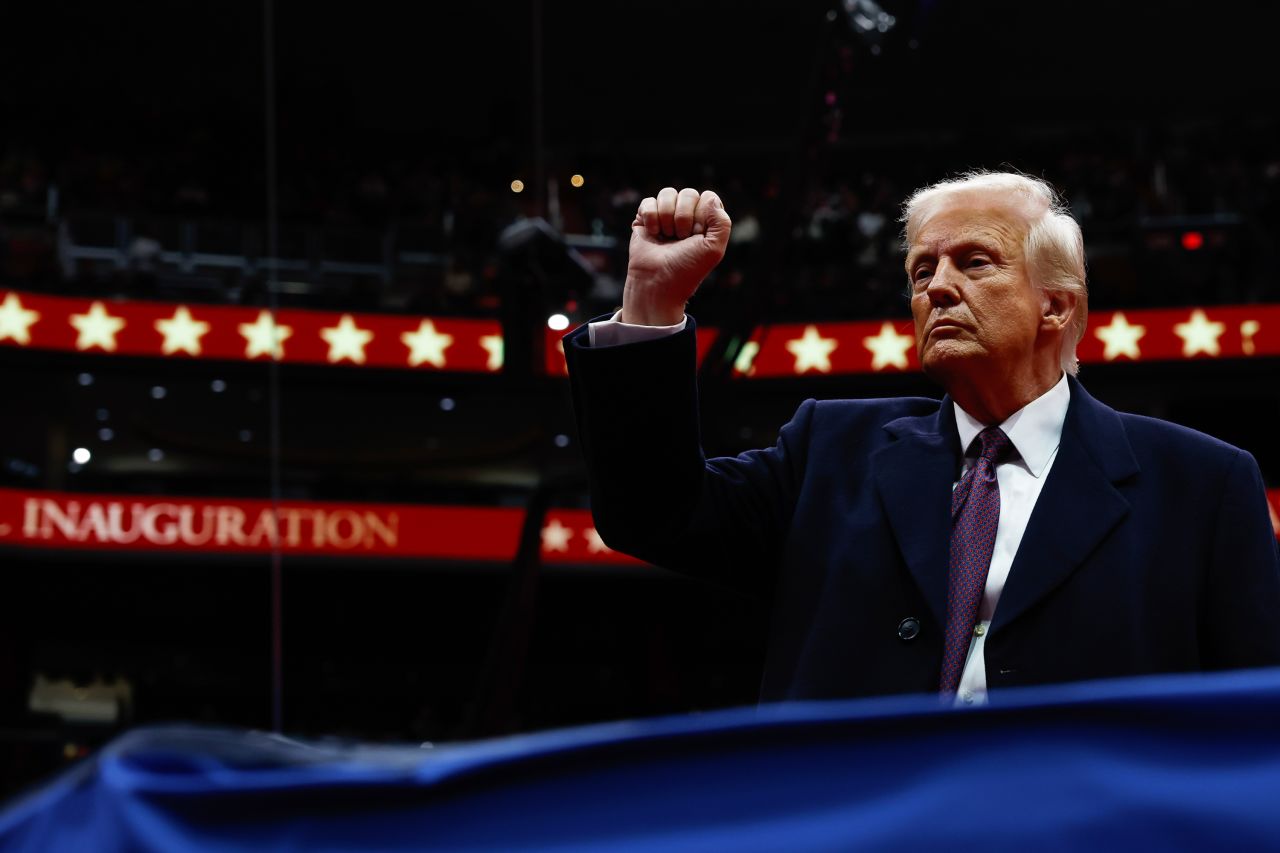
x: 908, y: 628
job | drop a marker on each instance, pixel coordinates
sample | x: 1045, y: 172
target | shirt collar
x: 1035, y: 429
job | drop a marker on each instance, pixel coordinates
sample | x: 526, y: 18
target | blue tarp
x: 1188, y: 762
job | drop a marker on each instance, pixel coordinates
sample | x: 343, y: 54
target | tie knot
x: 992, y: 445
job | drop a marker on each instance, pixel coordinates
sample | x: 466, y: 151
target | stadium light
x: 81, y: 455
x: 557, y: 322
x: 867, y: 18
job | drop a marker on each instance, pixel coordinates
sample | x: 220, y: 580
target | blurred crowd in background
x: 1171, y: 216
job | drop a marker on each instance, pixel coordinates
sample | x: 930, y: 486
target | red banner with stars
x: 64, y: 520
x: 1161, y: 334
x: 168, y: 330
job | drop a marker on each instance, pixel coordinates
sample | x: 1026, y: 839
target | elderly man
x: 1017, y: 532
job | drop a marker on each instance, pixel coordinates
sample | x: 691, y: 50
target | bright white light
x: 81, y: 455
x: 557, y: 322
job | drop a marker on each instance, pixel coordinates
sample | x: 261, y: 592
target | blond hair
x: 1053, y: 245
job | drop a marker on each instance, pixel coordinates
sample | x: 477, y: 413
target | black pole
x: 539, y: 153
x: 273, y: 369
x: 504, y: 669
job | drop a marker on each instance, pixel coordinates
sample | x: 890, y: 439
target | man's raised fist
x: 676, y: 239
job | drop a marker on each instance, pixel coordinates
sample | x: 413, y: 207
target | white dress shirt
x: 1035, y: 431
x: 611, y: 332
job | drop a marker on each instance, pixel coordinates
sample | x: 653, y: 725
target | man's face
x: 976, y: 312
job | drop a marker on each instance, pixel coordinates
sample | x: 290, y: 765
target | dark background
x: 405, y: 126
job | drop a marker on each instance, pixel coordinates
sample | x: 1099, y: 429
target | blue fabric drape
x: 1166, y: 763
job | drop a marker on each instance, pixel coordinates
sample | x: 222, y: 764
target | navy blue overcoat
x: 1150, y: 549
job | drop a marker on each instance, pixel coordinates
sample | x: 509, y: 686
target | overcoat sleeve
x: 1241, y: 597
x: 654, y: 495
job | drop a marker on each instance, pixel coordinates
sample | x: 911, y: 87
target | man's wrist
x: 634, y: 319
x: 637, y: 311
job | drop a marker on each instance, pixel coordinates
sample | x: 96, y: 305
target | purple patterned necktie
x: 975, y: 514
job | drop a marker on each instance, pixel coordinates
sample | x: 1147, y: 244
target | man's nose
x: 943, y: 286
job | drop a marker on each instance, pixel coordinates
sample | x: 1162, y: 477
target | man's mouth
x: 946, y: 324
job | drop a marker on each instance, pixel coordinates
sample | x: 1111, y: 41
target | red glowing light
x: 1192, y: 240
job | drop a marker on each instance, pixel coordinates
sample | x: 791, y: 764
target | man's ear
x: 1058, y: 307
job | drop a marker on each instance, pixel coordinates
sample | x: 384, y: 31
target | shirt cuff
x: 612, y: 332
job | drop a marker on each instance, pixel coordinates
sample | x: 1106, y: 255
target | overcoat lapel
x: 1078, y: 506
x: 914, y: 475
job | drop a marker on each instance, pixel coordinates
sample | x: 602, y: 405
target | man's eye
x: 979, y: 261
x: 923, y: 273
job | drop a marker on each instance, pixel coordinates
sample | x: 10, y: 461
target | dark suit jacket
x: 1150, y: 548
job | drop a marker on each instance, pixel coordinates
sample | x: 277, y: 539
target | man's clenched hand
x: 676, y: 239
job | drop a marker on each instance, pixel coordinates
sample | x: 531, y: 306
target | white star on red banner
x: 493, y: 346
x: 182, y: 332
x: 595, y: 544
x: 426, y: 345
x: 264, y: 336
x: 15, y: 320
x: 888, y: 348
x: 1120, y: 338
x: 97, y: 328
x: 346, y: 340
x: 555, y: 536
x: 812, y: 351
x: 1199, y: 334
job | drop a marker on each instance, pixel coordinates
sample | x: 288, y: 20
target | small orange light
x: 577, y: 180
x: 517, y: 186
